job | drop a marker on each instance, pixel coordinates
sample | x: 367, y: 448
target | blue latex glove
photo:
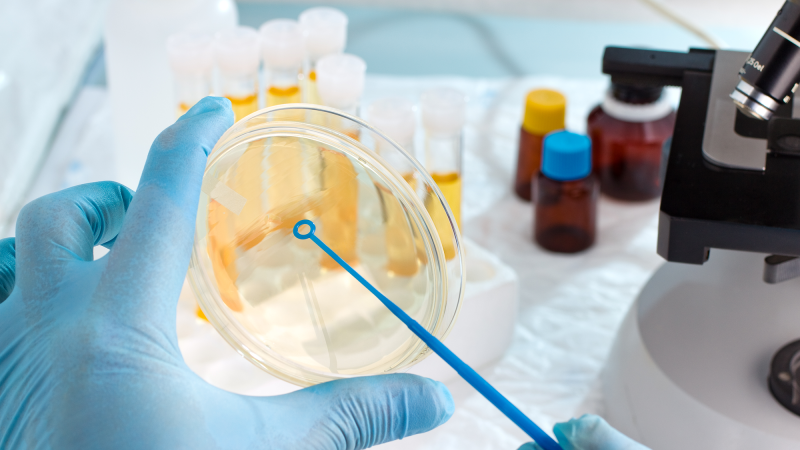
x: 89, y: 355
x: 8, y: 263
x: 589, y: 432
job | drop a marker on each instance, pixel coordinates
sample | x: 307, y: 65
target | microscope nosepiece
x: 752, y: 102
x: 769, y: 76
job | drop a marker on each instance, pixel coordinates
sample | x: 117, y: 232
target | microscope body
x: 708, y: 357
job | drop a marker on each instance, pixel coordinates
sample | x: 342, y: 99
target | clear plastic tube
x: 325, y: 31
x: 191, y: 60
x: 340, y: 84
x: 237, y: 57
x: 236, y: 52
x: 443, y: 116
x: 395, y: 117
x: 283, y: 53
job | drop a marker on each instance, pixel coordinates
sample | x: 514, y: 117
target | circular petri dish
x: 282, y: 302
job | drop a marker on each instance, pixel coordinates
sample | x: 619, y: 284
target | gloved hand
x: 89, y: 354
x: 589, y: 432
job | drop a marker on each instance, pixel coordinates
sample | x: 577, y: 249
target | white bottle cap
x: 340, y: 80
x: 236, y: 51
x: 325, y: 30
x: 190, y: 53
x: 444, y: 111
x: 395, y: 117
x: 282, y: 44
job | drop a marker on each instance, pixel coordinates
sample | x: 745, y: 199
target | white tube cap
x: 282, y: 44
x: 444, y: 111
x: 236, y: 50
x: 325, y: 30
x: 340, y: 80
x: 395, y: 117
x: 190, y: 53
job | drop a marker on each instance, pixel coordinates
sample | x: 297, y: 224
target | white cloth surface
x: 570, y: 306
x: 46, y: 44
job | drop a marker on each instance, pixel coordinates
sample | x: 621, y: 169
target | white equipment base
x: 689, y: 366
x: 485, y: 325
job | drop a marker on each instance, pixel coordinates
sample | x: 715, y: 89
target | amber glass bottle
x: 565, y: 193
x: 628, y: 131
x: 544, y: 112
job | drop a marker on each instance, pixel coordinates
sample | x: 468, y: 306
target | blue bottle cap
x: 566, y: 156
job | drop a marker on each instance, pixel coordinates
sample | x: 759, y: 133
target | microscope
x: 708, y: 357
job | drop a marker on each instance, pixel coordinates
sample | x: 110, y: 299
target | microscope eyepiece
x: 770, y: 75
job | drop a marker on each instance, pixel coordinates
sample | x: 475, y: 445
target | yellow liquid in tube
x: 339, y: 217
x: 338, y: 214
x: 223, y: 254
x: 285, y: 158
x: 228, y: 231
x: 282, y: 96
x: 403, y: 249
x: 450, y: 185
x: 183, y: 108
x: 243, y: 106
x: 312, y: 95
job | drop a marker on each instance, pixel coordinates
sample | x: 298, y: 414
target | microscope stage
x: 707, y: 205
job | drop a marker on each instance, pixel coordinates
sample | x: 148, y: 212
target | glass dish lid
x: 281, y: 302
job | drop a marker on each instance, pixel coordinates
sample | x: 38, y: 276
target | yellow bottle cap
x: 544, y: 111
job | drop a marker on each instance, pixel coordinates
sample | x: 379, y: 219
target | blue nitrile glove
x: 89, y: 355
x: 589, y: 432
x: 8, y: 261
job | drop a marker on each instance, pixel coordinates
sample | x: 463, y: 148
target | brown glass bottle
x: 628, y: 132
x: 565, y: 193
x: 544, y: 112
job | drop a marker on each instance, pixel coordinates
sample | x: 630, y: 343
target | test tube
x: 443, y: 117
x: 340, y: 80
x: 283, y: 52
x: 395, y: 117
x: 236, y: 52
x: 340, y: 83
x: 191, y: 59
x: 325, y: 31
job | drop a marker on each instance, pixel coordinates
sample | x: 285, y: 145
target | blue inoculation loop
x: 465, y: 371
x: 311, y: 229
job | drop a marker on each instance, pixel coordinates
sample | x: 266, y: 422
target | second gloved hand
x: 589, y: 432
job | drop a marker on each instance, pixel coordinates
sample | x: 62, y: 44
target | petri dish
x: 281, y: 302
